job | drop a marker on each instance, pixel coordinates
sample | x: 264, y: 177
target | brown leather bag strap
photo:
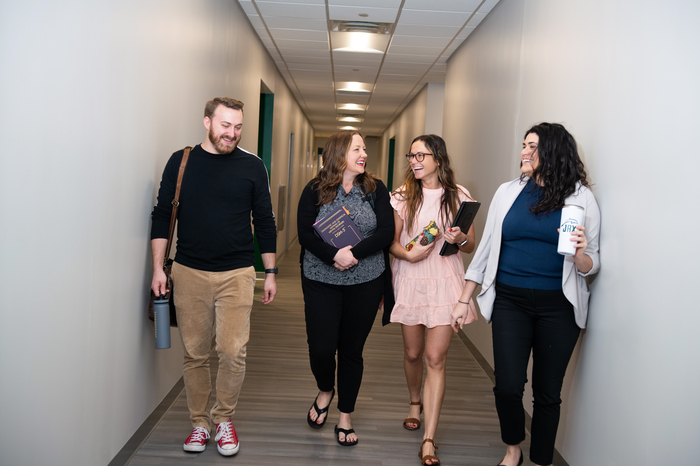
x: 176, y: 201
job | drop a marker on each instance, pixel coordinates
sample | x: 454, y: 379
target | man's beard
x: 220, y: 147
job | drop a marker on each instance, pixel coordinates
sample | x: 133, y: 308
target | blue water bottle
x: 161, y: 313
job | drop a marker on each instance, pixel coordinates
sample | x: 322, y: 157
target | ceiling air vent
x: 362, y: 26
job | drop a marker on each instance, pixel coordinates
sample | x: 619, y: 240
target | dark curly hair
x: 560, y: 166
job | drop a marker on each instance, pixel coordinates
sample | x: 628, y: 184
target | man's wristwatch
x: 273, y: 270
x: 464, y: 242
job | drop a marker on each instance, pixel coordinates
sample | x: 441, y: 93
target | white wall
x: 94, y: 97
x: 435, y: 107
x: 288, y: 118
x: 623, y: 77
x: 409, y: 124
x: 423, y: 115
x: 372, y: 144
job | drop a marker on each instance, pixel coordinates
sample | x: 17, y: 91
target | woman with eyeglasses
x: 427, y: 285
x: 535, y: 298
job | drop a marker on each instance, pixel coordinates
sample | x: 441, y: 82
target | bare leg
x: 413, y: 348
x: 436, y: 346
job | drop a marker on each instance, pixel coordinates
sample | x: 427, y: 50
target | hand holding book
x: 463, y: 220
x: 344, y: 259
x: 426, y: 237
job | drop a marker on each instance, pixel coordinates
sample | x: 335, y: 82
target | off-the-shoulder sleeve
x: 398, y: 202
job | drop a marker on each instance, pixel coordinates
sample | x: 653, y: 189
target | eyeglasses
x: 419, y: 156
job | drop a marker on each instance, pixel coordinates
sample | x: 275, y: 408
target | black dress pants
x: 541, y: 321
x: 339, y: 318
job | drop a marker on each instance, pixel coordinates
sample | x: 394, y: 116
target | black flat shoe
x: 347, y: 432
x: 319, y: 411
x: 519, y: 462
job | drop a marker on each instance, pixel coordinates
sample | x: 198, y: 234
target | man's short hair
x: 214, y: 103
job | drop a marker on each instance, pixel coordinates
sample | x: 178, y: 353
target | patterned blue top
x: 529, y: 257
x: 363, y: 215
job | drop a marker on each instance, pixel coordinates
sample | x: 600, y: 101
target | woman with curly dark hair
x: 343, y: 286
x: 426, y: 284
x: 535, y: 298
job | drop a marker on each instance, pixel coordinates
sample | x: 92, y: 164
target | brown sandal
x: 413, y: 420
x: 434, y: 461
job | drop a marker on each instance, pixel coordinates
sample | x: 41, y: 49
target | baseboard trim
x: 488, y: 370
x: 144, y: 431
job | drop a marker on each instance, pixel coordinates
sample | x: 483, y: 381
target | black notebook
x: 463, y: 220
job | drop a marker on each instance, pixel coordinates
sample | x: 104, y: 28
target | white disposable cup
x: 571, y: 217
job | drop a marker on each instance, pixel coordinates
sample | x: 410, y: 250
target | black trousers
x: 339, y: 318
x: 541, y: 321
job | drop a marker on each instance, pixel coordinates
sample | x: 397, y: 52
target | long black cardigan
x: 380, y: 240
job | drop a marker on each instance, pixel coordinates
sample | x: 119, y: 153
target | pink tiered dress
x: 426, y: 291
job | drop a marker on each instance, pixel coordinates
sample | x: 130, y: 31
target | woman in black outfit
x: 343, y: 287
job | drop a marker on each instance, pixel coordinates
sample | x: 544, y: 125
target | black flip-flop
x: 319, y: 411
x: 347, y: 432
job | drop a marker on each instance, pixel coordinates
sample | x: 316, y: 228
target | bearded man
x: 213, y: 272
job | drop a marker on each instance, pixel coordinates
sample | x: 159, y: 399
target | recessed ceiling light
x: 349, y: 119
x: 353, y: 88
x: 355, y: 107
x: 348, y: 128
x: 359, y: 42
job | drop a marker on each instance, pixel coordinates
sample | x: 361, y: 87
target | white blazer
x: 484, y: 265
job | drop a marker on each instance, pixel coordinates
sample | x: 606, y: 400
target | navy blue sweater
x: 529, y: 257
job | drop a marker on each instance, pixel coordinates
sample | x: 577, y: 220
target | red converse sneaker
x: 197, y: 441
x: 226, y: 438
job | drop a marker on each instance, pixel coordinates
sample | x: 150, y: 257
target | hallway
x: 279, y: 389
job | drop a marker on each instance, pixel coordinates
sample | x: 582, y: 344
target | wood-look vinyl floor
x: 279, y: 389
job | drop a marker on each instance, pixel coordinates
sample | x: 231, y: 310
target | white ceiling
x: 423, y: 34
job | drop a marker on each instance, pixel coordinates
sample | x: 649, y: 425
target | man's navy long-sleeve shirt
x: 217, y: 197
